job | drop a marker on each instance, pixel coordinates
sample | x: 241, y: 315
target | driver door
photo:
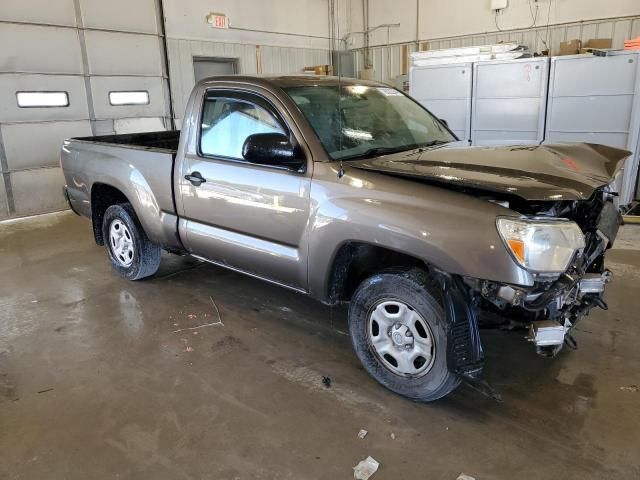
x: 241, y: 215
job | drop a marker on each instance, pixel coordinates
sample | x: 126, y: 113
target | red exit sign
x: 218, y: 20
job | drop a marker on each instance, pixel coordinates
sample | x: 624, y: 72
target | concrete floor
x: 97, y: 381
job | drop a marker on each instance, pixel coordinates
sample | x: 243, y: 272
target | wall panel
x: 287, y: 23
x: 291, y: 60
x: 534, y: 38
x: 61, y: 12
x: 30, y: 48
x: 49, y: 136
x: 12, y: 83
x: 457, y: 18
x: 123, y: 15
x: 38, y: 190
x: 112, y: 53
x: 135, y: 125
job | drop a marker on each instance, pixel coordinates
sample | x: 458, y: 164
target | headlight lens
x: 541, y: 245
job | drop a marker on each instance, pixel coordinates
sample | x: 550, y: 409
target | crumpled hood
x: 533, y: 172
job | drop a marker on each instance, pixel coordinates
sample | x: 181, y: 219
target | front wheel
x: 398, y: 331
x: 131, y: 252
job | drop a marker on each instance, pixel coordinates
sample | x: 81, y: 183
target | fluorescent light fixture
x: 131, y: 97
x: 42, y: 99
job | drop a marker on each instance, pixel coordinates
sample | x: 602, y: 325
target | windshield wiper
x: 430, y: 146
x: 433, y: 143
x: 378, y: 151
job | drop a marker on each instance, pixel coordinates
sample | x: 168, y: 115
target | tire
x: 135, y: 256
x: 422, y: 328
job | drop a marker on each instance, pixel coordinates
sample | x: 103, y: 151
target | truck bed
x: 138, y: 165
x: 164, y: 140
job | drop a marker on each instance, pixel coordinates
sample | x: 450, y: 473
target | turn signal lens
x: 517, y: 247
x: 541, y: 245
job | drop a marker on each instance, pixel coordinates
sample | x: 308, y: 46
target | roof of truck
x: 285, y: 81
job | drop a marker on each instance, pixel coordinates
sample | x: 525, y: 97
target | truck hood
x: 532, y: 172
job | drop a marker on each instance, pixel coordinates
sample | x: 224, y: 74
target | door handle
x: 195, y: 178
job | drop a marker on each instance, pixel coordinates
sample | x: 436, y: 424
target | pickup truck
x: 350, y: 191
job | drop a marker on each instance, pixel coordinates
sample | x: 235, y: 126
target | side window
x: 227, y: 122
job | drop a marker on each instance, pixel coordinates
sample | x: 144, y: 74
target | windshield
x: 366, y: 121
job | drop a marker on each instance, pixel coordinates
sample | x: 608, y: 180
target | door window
x: 227, y: 122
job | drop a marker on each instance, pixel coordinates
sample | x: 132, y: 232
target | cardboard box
x: 596, y: 44
x: 405, y: 59
x: 319, y: 70
x: 571, y: 47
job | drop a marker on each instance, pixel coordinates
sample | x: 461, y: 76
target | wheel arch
x: 161, y: 227
x: 102, y: 197
x: 354, y: 261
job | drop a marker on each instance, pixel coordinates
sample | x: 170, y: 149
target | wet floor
x: 105, y: 378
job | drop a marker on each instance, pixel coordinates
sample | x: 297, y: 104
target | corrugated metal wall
x: 387, y: 61
x: 86, y: 48
x: 252, y: 59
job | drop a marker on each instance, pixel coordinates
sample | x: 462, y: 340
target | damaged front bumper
x: 553, y: 305
x: 549, y: 306
x: 550, y: 309
x: 550, y: 316
x: 551, y: 335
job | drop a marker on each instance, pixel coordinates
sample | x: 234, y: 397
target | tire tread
x: 397, y: 282
x: 149, y: 253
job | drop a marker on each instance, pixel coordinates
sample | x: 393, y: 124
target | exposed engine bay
x: 555, y: 303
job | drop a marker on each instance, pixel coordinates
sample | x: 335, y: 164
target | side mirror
x: 271, y: 149
x: 446, y: 124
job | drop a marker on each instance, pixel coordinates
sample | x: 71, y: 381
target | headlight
x: 541, y: 245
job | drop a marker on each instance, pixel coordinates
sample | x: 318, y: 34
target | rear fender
x: 143, y: 177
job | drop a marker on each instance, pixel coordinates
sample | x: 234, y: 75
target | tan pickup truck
x: 350, y: 191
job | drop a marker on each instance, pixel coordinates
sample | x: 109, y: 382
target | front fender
x: 451, y: 236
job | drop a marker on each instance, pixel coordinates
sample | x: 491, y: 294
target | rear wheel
x: 398, y: 331
x: 131, y: 252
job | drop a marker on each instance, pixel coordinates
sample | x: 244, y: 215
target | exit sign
x: 218, y: 20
